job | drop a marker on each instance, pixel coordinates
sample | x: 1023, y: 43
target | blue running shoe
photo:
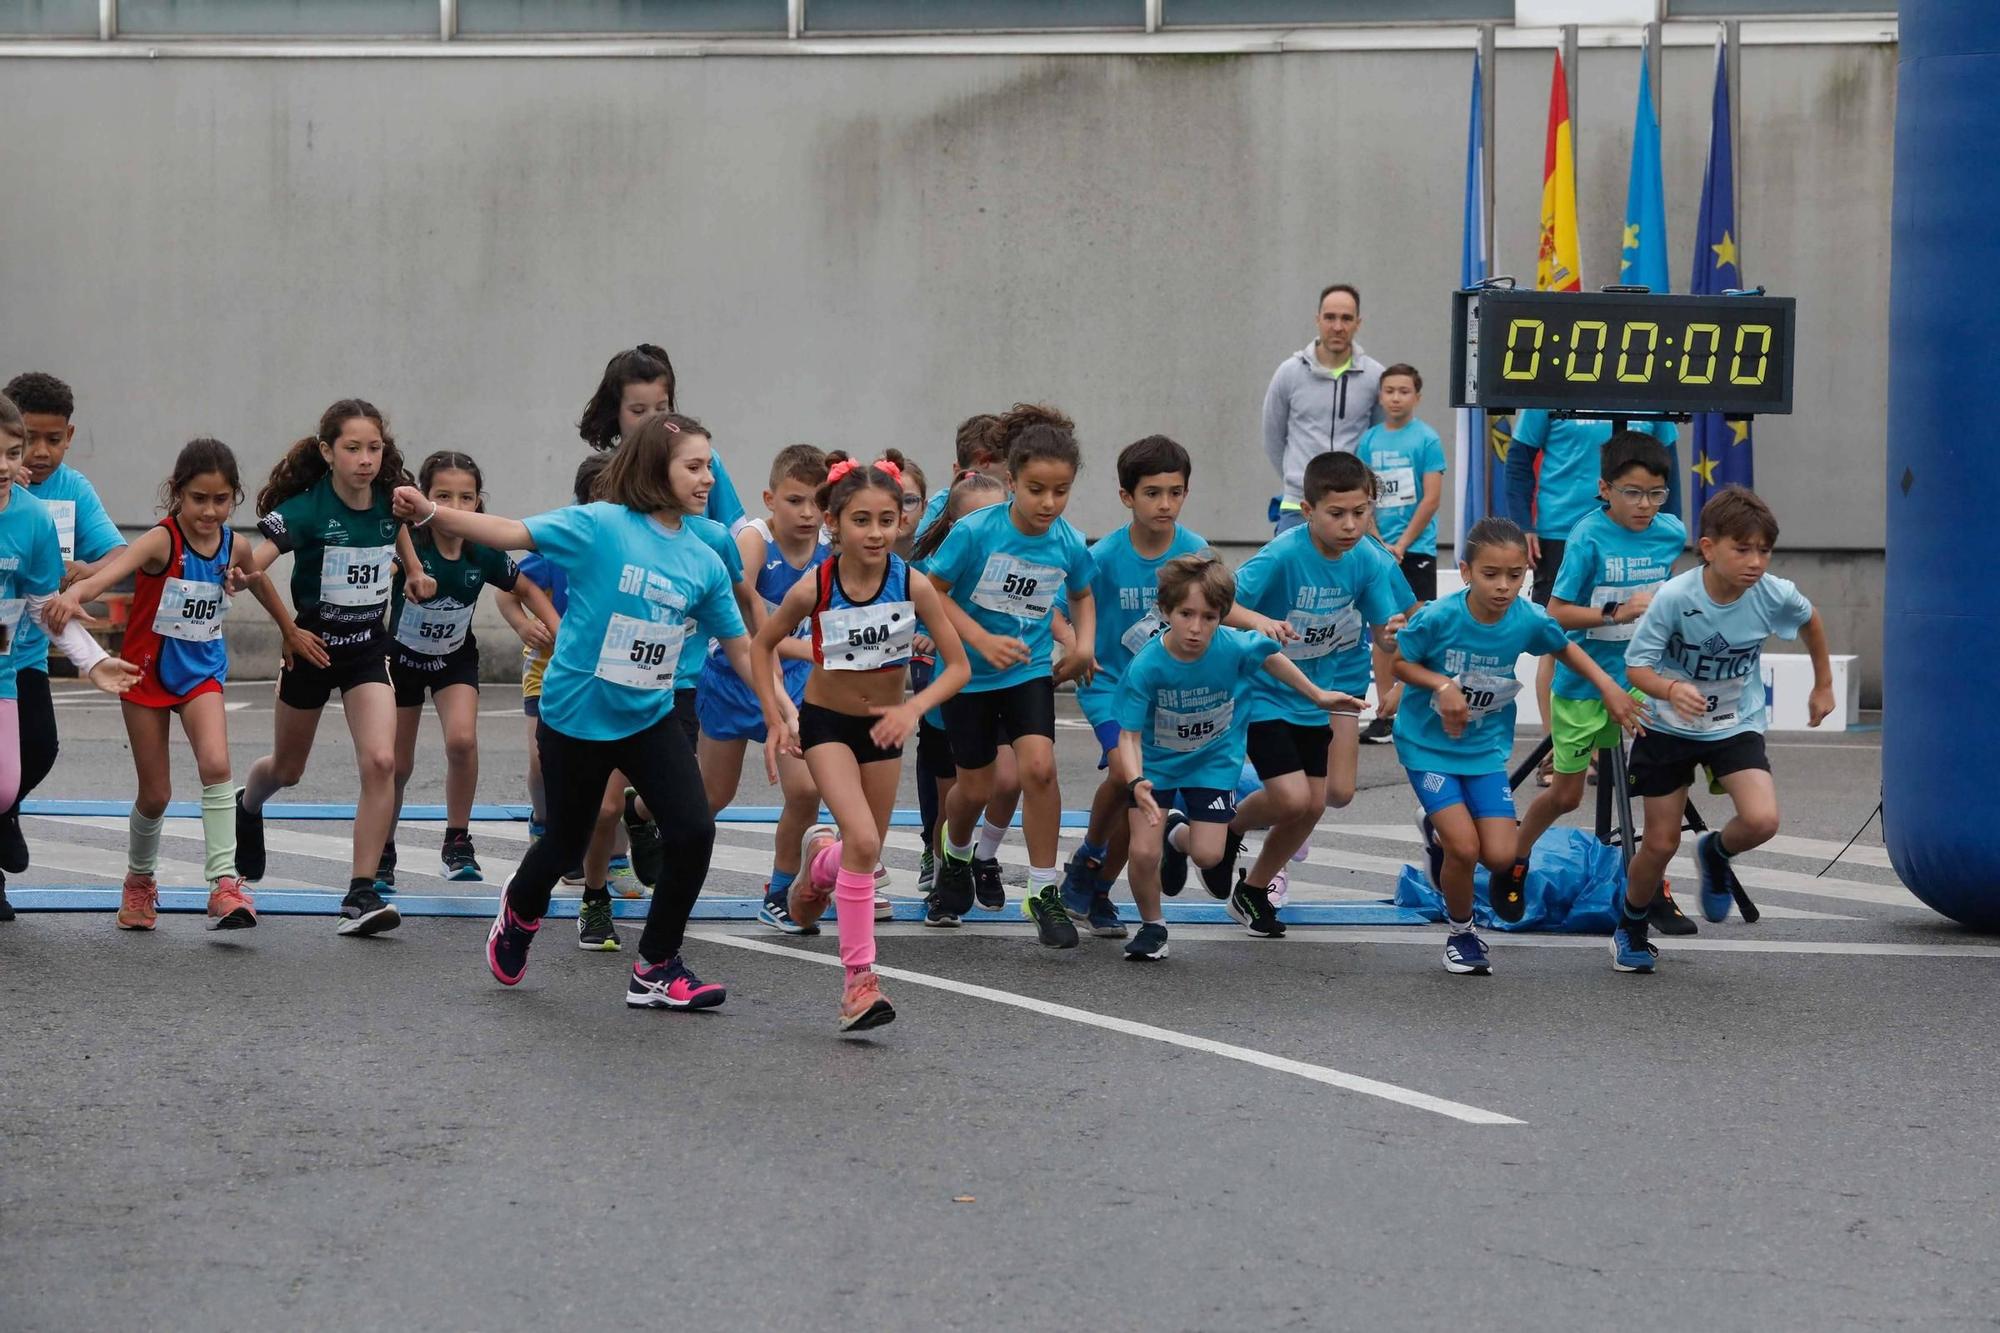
x: 776, y: 913
x: 1465, y: 954
x: 1631, y: 951
x: 1096, y: 911
x: 621, y: 864
x: 1079, y: 882
x: 1433, y: 852
x: 1716, y: 877
x: 1173, y: 863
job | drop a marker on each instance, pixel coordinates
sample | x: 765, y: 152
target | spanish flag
x: 1556, y: 266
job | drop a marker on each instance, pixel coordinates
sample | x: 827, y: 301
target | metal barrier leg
x: 1621, y: 800
x: 1530, y: 764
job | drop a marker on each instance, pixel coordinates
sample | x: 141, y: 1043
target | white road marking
x: 1335, y: 1078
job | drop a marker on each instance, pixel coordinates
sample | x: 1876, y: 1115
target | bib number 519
x: 648, y: 654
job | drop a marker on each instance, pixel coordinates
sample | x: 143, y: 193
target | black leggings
x: 658, y: 762
x: 38, y: 731
x: 933, y: 755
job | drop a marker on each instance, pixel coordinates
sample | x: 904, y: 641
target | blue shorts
x: 1203, y: 805
x: 1485, y: 795
x: 1107, y: 741
x: 728, y: 709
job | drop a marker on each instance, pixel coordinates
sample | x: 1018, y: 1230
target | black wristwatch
x: 1611, y: 612
x: 1132, y: 787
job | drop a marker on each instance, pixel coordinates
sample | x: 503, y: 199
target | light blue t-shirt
x: 85, y: 533
x: 1191, y: 731
x: 1007, y: 581
x: 933, y: 510
x: 634, y: 586
x: 724, y: 505
x: 1401, y: 460
x: 1444, y: 637
x: 1126, y: 590
x: 31, y: 565
x: 1688, y: 635
x: 1572, y: 459
x: 715, y: 536
x: 1330, y: 603
x: 1605, y: 561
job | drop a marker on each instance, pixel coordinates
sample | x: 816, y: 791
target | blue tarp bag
x: 1571, y: 880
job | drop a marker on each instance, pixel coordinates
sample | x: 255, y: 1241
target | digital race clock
x: 1622, y: 351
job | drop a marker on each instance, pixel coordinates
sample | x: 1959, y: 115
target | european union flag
x: 1722, y: 451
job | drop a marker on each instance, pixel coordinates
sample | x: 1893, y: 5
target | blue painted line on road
x: 60, y: 807
x: 315, y: 902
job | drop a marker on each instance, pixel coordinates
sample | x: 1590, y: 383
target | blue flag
x: 1469, y: 453
x: 1722, y: 451
x: 1643, y: 260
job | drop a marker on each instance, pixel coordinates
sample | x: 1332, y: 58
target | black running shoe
x: 364, y: 913
x: 1379, y: 732
x: 594, y: 930
x: 460, y: 862
x: 13, y: 846
x: 249, y: 841
x: 1251, y: 906
x: 1217, y: 878
x: 1149, y: 945
x: 649, y: 854
x: 385, y: 869
x: 1052, y: 925
x: 935, y: 913
x: 954, y: 891
x: 6, y: 908
x: 1173, y: 863
x: 1510, y: 892
x: 1664, y: 915
x: 1433, y: 852
x: 987, y: 890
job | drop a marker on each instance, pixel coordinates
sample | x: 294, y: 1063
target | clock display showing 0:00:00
x: 1638, y: 349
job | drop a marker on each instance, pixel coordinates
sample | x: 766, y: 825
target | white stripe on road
x: 1335, y: 1078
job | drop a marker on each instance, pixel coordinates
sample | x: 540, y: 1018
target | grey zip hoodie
x: 1309, y: 410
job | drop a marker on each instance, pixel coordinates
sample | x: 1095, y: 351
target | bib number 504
x: 872, y: 636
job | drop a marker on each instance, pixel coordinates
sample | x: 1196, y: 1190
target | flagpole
x: 1489, y: 71
x: 1570, y: 81
x: 1732, y: 35
x: 1656, y: 63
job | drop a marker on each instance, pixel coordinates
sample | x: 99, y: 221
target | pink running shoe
x: 862, y: 1004
x: 807, y: 901
x: 229, y: 907
x: 670, y: 985
x: 507, y: 944
x: 1281, y: 888
x: 139, y: 908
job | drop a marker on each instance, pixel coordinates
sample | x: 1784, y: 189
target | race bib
x: 1191, y: 730
x: 804, y: 631
x: 1725, y: 708
x: 433, y: 631
x: 1396, y: 488
x: 1323, y: 632
x: 64, y: 513
x: 10, y: 621
x: 1485, y: 694
x: 1617, y: 633
x: 1144, y: 630
x: 867, y: 638
x: 641, y: 654
x: 190, y: 611
x: 1016, y: 587
x: 355, y: 575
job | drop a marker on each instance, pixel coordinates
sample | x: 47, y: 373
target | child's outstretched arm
x: 247, y: 571
x: 1446, y: 698
x: 1622, y: 707
x: 530, y: 612
x: 417, y: 509
x: 1080, y: 662
x: 1131, y: 759
x: 996, y: 650
x: 895, y: 723
x: 1284, y: 670
x: 1820, y: 702
x: 417, y: 585
x: 151, y: 548
x: 760, y: 670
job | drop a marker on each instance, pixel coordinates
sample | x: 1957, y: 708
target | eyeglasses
x: 1633, y: 495
x: 911, y: 500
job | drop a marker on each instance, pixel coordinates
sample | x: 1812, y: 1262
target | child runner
x: 1153, y: 476
x: 435, y: 653
x: 181, y: 572
x: 1182, y: 736
x: 88, y: 538
x: 861, y: 610
x: 636, y: 577
x: 31, y: 570
x: 783, y: 549
x: 1407, y: 459
x: 1698, y: 653
x: 1456, y: 729
x: 1314, y: 588
x: 1000, y: 571
x: 638, y: 383
x: 1614, y: 560
x: 327, y: 503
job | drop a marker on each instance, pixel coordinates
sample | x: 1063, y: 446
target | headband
x: 847, y: 465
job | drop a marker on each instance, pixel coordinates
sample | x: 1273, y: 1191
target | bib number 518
x: 1017, y: 585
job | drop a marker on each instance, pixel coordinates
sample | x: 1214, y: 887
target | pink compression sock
x: 825, y: 867
x: 854, y: 895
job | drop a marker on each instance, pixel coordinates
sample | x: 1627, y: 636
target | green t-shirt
x: 341, y: 565
x: 443, y: 625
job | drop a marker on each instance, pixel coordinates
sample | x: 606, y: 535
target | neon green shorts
x: 1579, y: 728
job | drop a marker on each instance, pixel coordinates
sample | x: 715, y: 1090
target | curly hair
x: 302, y: 466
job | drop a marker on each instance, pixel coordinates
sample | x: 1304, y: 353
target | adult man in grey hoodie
x: 1321, y: 399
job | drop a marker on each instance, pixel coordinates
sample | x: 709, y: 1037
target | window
x: 278, y: 18
x: 1688, y: 9
x: 1227, y: 13
x: 483, y: 18
x: 50, y: 18
x: 974, y: 15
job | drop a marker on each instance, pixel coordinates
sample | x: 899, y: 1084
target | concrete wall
x: 860, y: 251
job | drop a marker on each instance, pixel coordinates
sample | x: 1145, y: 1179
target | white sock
x: 1041, y: 877
x: 991, y: 835
x: 1177, y: 838
x: 956, y: 850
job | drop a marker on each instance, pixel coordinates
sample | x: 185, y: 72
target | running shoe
x: 507, y: 942
x: 1281, y: 888
x: 884, y: 909
x: 862, y: 1004
x: 1079, y: 883
x: 670, y: 985
x: 1664, y: 914
x: 1631, y: 951
x: 1510, y: 892
x: 139, y: 903
x: 1716, y: 877
x: 1251, y: 907
x: 1433, y: 852
x: 1173, y: 862
x: 249, y: 841
x: 594, y: 929
x: 926, y: 873
x: 987, y: 890
x: 574, y: 879
x: 772, y: 912
x: 1052, y: 925
x: 936, y: 914
x: 363, y: 912
x: 954, y: 891
x: 6, y: 908
x: 385, y: 869
x: 537, y: 830
x: 459, y: 861
x: 229, y: 907
x: 13, y: 845
x: 1217, y: 879
x: 619, y: 864
x: 806, y: 902
x: 1381, y: 731
x: 1465, y: 953
x: 649, y: 854
x: 1149, y: 945
x: 1093, y: 908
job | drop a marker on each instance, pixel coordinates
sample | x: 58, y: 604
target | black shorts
x: 1545, y: 569
x: 308, y: 687
x: 1421, y: 573
x: 1202, y: 805
x: 1278, y: 747
x: 684, y: 714
x: 979, y: 724
x: 1663, y: 763
x: 934, y: 753
x: 824, y: 726
x: 412, y: 673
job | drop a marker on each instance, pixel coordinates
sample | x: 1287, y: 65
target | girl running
x: 435, y: 652
x: 638, y: 383
x: 636, y: 579
x: 863, y: 607
x: 1000, y: 570
x: 183, y: 570
x: 327, y: 503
